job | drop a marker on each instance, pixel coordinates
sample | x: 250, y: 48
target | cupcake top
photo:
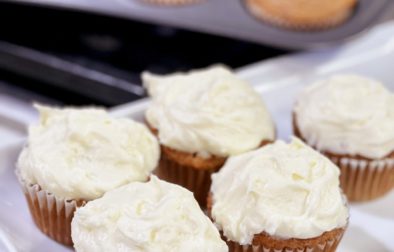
x: 208, y: 111
x: 285, y: 190
x: 153, y: 216
x: 347, y: 114
x: 303, y: 13
x: 82, y: 153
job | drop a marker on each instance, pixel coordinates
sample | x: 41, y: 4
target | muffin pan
x: 231, y: 18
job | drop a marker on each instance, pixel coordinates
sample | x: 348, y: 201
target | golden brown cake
x: 172, y: 2
x: 302, y: 14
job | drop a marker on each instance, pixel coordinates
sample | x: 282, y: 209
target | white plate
x: 371, y: 224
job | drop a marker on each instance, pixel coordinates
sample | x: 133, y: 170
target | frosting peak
x: 347, y: 114
x: 82, y: 153
x: 285, y: 190
x: 207, y: 111
x: 153, y: 216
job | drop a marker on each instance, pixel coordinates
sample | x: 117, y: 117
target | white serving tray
x: 371, y: 225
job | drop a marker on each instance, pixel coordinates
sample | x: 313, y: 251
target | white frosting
x: 347, y: 114
x: 82, y: 153
x: 154, y: 216
x: 207, y: 111
x: 285, y: 190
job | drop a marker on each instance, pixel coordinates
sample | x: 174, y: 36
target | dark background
x: 34, y: 39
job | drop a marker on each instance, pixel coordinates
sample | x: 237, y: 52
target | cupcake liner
x: 51, y: 215
x: 362, y: 179
x: 291, y: 24
x: 172, y: 2
x: 307, y: 245
x: 194, y: 179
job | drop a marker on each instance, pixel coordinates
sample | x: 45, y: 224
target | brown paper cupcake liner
x: 301, y: 26
x: 52, y: 215
x: 196, y: 180
x: 363, y: 180
x: 310, y: 245
x: 172, y: 2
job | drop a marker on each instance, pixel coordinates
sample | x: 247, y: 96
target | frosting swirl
x: 347, y: 114
x: 207, y: 111
x: 154, y: 216
x: 82, y: 153
x: 285, y: 190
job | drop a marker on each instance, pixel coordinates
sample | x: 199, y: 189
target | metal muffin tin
x: 230, y: 18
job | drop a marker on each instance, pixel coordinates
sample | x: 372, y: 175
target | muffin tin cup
x: 363, y: 180
x: 52, y: 215
x: 196, y: 180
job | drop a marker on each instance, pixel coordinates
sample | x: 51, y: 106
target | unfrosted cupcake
x: 281, y: 197
x: 202, y: 117
x: 350, y: 119
x: 75, y: 155
x: 154, y: 216
x: 302, y: 14
x: 172, y: 2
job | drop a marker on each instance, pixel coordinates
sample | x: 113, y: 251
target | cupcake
x: 350, y: 119
x: 281, y: 197
x: 172, y: 2
x: 200, y: 118
x: 75, y: 155
x: 153, y: 216
x: 302, y: 14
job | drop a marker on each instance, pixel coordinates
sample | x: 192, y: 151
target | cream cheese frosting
x: 208, y: 111
x: 154, y: 216
x: 82, y: 153
x: 285, y: 190
x: 349, y: 115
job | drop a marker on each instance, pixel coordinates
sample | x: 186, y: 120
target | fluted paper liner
x: 363, y: 180
x: 196, y: 180
x: 310, y: 245
x: 52, y: 215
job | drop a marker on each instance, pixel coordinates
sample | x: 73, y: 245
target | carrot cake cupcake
x: 75, y: 155
x: 200, y: 118
x: 153, y: 216
x: 302, y: 14
x: 350, y: 119
x: 281, y: 197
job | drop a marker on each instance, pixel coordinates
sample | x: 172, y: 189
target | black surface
x: 116, y: 47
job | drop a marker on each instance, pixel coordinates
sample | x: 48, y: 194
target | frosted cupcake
x: 75, y: 155
x: 302, y: 14
x: 154, y: 216
x: 281, y: 197
x: 202, y: 117
x: 350, y: 119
